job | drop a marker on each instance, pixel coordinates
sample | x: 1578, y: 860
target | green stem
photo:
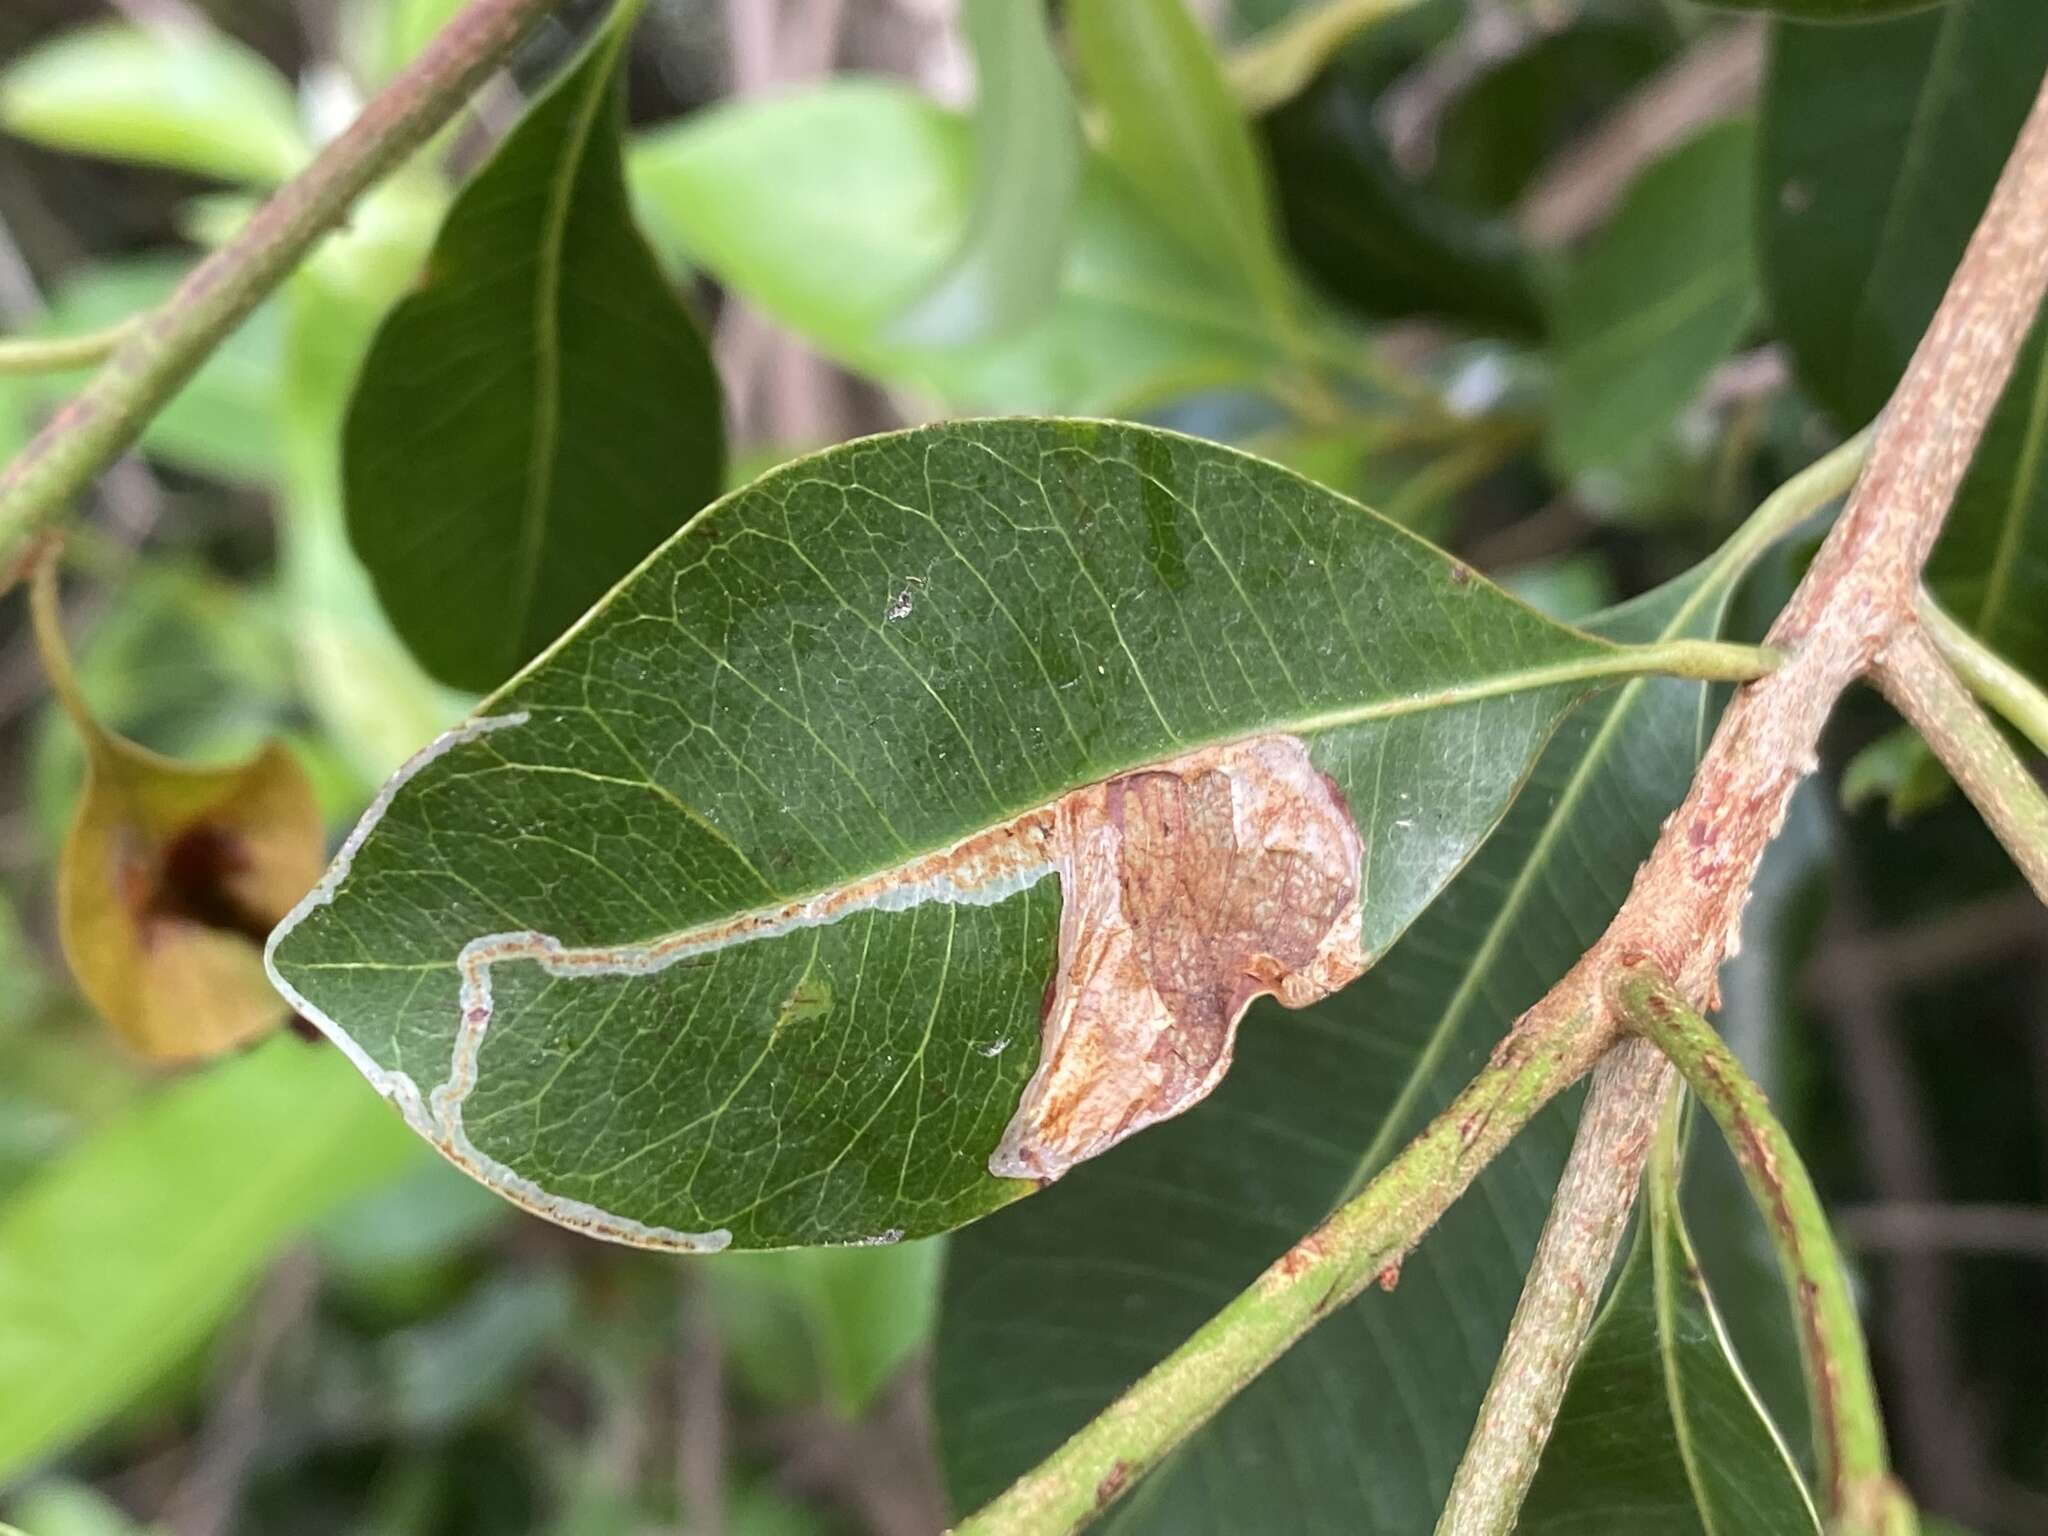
x: 1365, y: 1239
x: 1285, y: 57
x: 167, y: 345
x: 1989, y: 675
x: 1832, y: 475
x: 1567, y: 1278
x: 1862, y: 1497
x: 1708, y: 661
x: 55, y: 354
x: 1971, y: 747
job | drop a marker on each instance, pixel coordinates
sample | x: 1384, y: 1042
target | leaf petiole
x: 1862, y: 1496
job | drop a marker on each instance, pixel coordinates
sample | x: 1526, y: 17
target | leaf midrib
x: 547, y: 323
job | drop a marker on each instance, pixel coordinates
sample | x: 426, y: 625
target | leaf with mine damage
x: 727, y: 920
x: 1054, y: 1308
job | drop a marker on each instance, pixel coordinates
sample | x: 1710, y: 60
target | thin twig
x: 1862, y: 1497
x: 1907, y: 1227
x: 170, y: 343
x: 1941, y: 1434
x: 1584, y: 1229
x: 2000, y: 684
x: 58, y: 354
x: 1583, y: 184
x: 1973, y: 749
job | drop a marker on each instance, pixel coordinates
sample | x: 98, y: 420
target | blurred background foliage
x: 243, y: 1298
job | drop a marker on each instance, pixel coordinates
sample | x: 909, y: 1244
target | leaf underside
x: 862, y: 659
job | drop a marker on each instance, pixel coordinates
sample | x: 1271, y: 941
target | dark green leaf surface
x: 1660, y: 1434
x: 1027, y: 146
x: 1663, y: 294
x: 1990, y: 568
x: 1827, y: 10
x: 541, y: 412
x: 862, y: 659
x: 1382, y: 244
x: 1172, y: 127
x: 832, y: 209
x: 117, y: 1259
x: 1879, y: 146
x: 1051, y: 1309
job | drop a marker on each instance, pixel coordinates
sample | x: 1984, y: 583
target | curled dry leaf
x: 171, y: 877
x: 1187, y: 891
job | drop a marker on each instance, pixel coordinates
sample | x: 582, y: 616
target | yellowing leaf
x: 172, y: 875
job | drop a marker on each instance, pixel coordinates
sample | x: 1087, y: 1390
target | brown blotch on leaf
x: 1186, y: 891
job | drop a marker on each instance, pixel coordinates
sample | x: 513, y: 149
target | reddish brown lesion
x: 1187, y: 890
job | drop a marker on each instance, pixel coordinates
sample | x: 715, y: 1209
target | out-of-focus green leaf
x: 69, y: 1509
x: 364, y: 686
x: 1053, y: 1308
x: 542, y: 410
x: 1827, y: 10
x: 1171, y: 125
x: 1027, y: 172
x: 853, y: 665
x: 221, y: 422
x: 1502, y: 130
x: 441, y: 1373
x: 1898, y: 770
x: 382, y: 36
x: 1660, y: 1431
x: 193, y: 100
x: 1990, y: 566
x: 1385, y: 244
x: 1662, y: 294
x: 832, y: 209
x: 825, y: 1324
x: 1879, y: 145
x: 118, y: 1259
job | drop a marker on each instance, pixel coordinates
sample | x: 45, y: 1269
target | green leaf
x: 542, y: 411
x: 1052, y: 1309
x: 1827, y: 10
x: 1660, y: 297
x: 1879, y: 146
x: 1990, y: 566
x: 1027, y: 141
x: 832, y: 209
x: 117, y: 1259
x: 1659, y: 1431
x: 799, y: 710
x: 1171, y: 125
x: 1500, y: 133
x: 1372, y: 237
x: 192, y: 100
x: 831, y: 1325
